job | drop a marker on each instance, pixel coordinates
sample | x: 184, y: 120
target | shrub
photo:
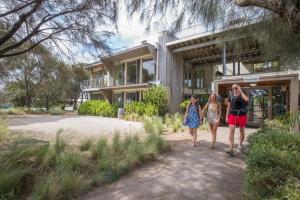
x: 158, y: 97
x: 133, y: 117
x: 56, y: 111
x: 153, y: 125
x: 85, y: 144
x: 273, y: 163
x: 136, y: 108
x: 98, y: 108
x: 38, y: 111
x: 184, y: 105
x: 16, y: 111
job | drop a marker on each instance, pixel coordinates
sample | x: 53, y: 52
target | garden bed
x: 37, y: 169
x: 273, y: 163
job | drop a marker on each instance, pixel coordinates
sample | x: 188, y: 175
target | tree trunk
x: 287, y: 9
x: 47, y: 103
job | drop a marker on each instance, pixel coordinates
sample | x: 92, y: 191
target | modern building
x: 199, y: 63
x: 123, y: 76
x: 211, y: 62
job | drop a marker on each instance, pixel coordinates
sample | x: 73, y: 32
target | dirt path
x: 184, y: 173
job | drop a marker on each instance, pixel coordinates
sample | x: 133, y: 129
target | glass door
x: 258, y: 104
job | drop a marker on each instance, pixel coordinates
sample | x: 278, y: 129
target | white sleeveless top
x: 212, y: 115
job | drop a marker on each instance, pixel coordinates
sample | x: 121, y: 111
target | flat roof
x: 94, y: 64
x: 133, y: 52
x: 136, y: 51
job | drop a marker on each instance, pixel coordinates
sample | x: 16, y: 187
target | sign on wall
x: 252, y: 79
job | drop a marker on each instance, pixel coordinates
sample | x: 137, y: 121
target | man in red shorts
x: 236, y: 116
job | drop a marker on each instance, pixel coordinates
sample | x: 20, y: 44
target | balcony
x: 94, y: 84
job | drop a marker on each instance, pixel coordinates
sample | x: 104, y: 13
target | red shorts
x: 235, y: 120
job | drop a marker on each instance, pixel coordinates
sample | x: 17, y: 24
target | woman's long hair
x: 216, y: 101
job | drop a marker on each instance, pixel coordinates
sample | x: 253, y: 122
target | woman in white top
x: 213, y: 109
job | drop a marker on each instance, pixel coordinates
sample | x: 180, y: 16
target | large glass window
x: 118, y: 98
x: 133, y: 72
x: 148, y: 70
x: 132, y: 96
x: 198, y: 81
x: 119, y: 74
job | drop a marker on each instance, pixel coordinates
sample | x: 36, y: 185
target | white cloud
x: 132, y: 31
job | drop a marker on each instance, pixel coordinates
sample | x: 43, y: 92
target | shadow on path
x: 185, y: 173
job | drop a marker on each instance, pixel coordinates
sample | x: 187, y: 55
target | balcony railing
x: 238, y: 19
x: 94, y: 83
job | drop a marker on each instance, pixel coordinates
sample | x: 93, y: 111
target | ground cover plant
x: 273, y: 163
x: 37, y: 169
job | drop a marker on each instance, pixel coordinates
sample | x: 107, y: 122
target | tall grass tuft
x: 85, y: 144
x: 100, y: 148
x: 116, y: 143
x: 3, y: 130
x: 60, y: 141
x: 153, y: 125
x: 35, y: 169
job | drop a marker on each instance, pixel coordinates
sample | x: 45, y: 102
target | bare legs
x: 242, y: 135
x: 213, y: 129
x: 231, y: 138
x: 193, y: 132
x: 194, y: 136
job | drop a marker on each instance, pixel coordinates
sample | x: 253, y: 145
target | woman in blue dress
x: 193, y: 118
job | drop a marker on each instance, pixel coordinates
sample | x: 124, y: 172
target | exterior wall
x: 170, y: 71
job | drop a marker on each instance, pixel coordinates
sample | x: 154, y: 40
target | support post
x: 233, y: 66
x: 294, y: 95
x: 224, y: 59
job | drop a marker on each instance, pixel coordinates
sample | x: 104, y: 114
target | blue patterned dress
x: 193, y: 119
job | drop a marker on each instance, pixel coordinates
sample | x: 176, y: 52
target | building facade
x: 211, y: 62
x: 199, y: 64
x: 122, y: 77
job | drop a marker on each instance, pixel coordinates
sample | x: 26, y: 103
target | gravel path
x: 185, y: 173
x: 82, y: 125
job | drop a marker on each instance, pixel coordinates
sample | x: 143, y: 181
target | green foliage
x: 60, y: 141
x: 100, y: 148
x: 273, y: 163
x: 35, y: 169
x: 133, y: 117
x: 3, y: 130
x: 85, y: 144
x: 136, y: 109
x: 174, y: 121
x: 184, y: 105
x: 98, y: 108
x: 157, y: 96
x: 56, y: 111
x: 153, y: 125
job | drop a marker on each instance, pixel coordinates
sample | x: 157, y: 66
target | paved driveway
x: 83, y: 125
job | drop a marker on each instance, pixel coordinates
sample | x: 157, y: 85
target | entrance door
x: 258, y: 109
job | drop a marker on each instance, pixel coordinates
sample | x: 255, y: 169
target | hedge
x: 273, y: 163
x: 98, y: 108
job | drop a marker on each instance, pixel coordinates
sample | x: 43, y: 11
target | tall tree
x: 210, y: 11
x: 278, y: 30
x: 26, y: 24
